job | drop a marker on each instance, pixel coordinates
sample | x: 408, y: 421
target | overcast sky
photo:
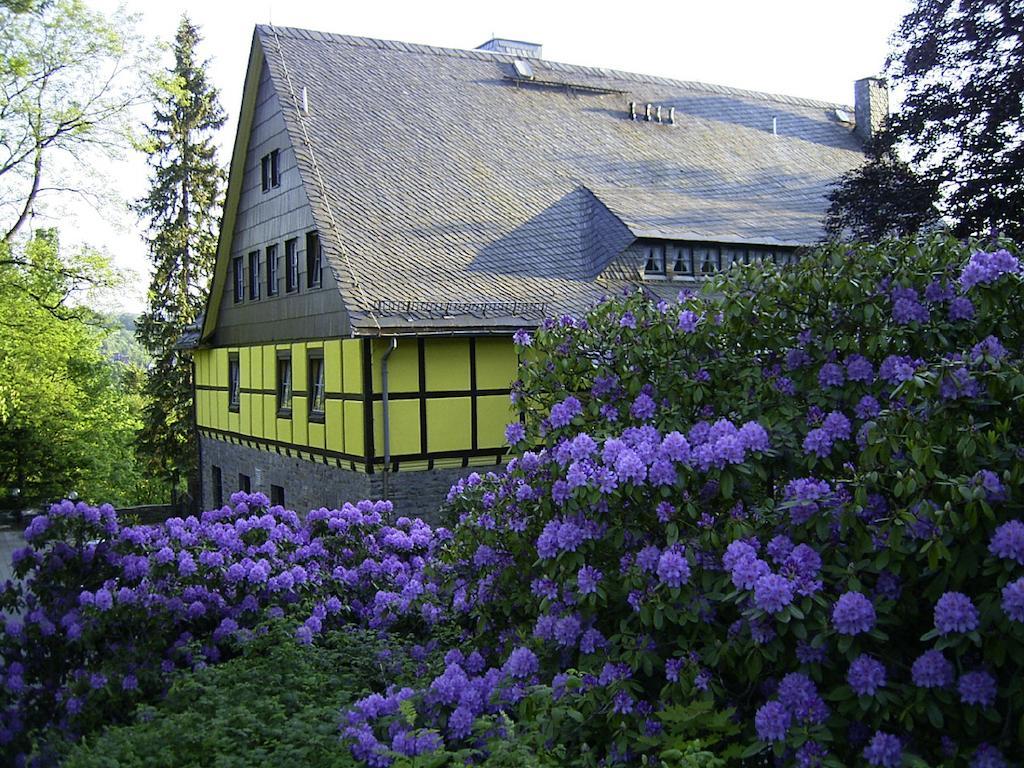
x: 810, y: 48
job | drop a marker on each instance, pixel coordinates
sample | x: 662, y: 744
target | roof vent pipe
x: 632, y: 110
x: 672, y: 115
x: 659, y: 114
x: 647, y: 113
x: 305, y: 101
x: 775, y: 126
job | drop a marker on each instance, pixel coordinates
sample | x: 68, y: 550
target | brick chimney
x: 871, y: 105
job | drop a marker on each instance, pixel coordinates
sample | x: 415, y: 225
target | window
x: 276, y: 495
x: 234, y: 382
x: 272, y: 270
x: 291, y: 265
x: 655, y: 260
x: 244, y: 483
x: 284, y: 384
x: 314, y: 260
x: 732, y: 256
x: 706, y: 260
x: 217, y: 485
x: 254, y: 274
x: 316, y: 386
x: 682, y: 261
x: 238, y: 278
x: 270, y: 171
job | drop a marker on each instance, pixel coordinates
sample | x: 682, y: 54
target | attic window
x: 681, y: 260
x: 254, y: 275
x: 523, y: 69
x: 314, y: 260
x: 655, y: 260
x: 238, y: 279
x: 270, y: 170
x: 706, y: 260
x: 291, y: 265
x: 682, y: 263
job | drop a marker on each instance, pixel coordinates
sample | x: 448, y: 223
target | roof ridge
x: 404, y: 47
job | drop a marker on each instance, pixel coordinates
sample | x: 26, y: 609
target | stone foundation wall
x: 310, y: 485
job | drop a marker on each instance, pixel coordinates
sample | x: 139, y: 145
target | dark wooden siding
x: 274, y: 216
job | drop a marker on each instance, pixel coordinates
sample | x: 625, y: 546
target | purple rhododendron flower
x: 896, y: 369
x: 522, y: 338
x: 564, y: 412
x: 985, y: 268
x: 1013, y: 600
x: 884, y: 750
x: 587, y: 580
x: 804, y: 495
x: 977, y: 688
x: 772, y: 593
x: 867, y: 408
x: 753, y: 437
x: 800, y: 696
x: 866, y: 675
x: 837, y: 426
x: 772, y: 722
x: 819, y: 442
x: 673, y: 570
x: 954, y: 612
x: 859, y: 368
x: 987, y: 756
x: 853, y: 614
x: 932, y: 670
x: 521, y: 663
x: 1008, y: 542
x: 688, y: 321
x: 643, y: 407
x: 515, y: 433
x: 746, y: 572
x: 961, y: 308
x: 831, y: 375
x: 989, y: 480
x: 991, y: 347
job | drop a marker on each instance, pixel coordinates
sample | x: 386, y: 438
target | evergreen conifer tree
x: 182, y: 209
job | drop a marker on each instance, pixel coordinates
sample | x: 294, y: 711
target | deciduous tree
x: 960, y: 64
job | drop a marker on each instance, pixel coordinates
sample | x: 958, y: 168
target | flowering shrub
x: 104, y: 612
x: 782, y: 519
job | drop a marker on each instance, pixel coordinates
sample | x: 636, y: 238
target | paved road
x: 10, y: 540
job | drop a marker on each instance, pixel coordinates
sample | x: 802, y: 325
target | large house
x: 395, y: 212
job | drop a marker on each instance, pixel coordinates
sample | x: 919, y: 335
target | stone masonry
x: 311, y: 485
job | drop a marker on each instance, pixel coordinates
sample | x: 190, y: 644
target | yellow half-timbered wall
x: 448, y: 400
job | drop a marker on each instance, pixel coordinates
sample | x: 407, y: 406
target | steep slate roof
x: 434, y: 177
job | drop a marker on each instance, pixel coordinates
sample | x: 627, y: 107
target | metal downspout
x: 387, y: 417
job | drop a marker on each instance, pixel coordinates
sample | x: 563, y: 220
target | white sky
x: 810, y: 48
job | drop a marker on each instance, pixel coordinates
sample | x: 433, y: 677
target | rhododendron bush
x: 780, y: 520
x: 105, y: 613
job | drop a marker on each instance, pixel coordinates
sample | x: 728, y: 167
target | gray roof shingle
x: 436, y: 177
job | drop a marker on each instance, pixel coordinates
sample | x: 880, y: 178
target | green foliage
x: 277, y: 704
x: 121, y: 345
x: 885, y: 197
x: 182, y: 210
x: 918, y: 480
x: 68, y: 84
x: 960, y: 67
x: 68, y: 414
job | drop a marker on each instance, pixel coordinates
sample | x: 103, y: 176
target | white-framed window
x: 317, y: 392
x: 654, y: 260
